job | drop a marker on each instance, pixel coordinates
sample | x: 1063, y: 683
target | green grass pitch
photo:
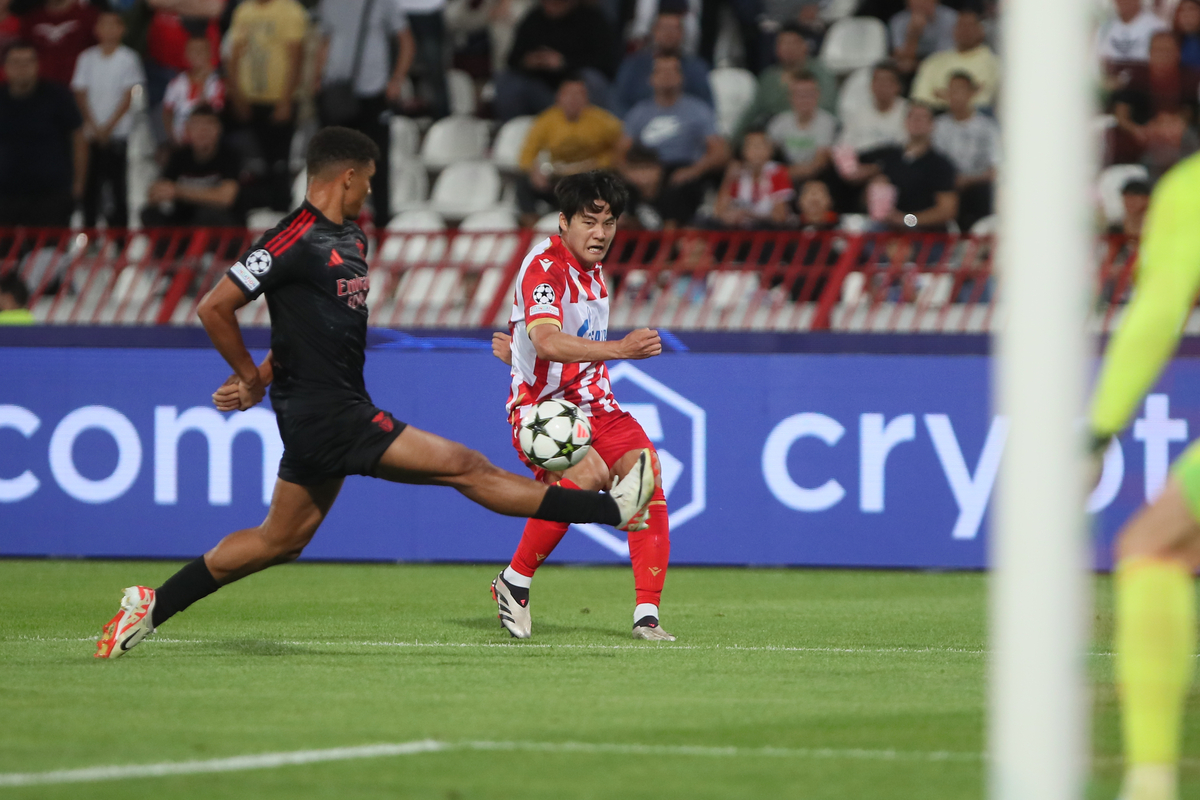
x: 818, y: 684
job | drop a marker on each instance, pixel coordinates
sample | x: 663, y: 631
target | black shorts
x: 334, y: 442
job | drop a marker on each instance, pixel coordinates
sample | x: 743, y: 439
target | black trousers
x: 107, y: 166
x: 50, y: 210
x: 274, y: 141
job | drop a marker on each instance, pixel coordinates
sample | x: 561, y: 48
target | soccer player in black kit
x: 312, y: 268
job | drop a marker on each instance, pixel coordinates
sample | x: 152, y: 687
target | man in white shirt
x: 972, y: 143
x: 1126, y: 37
x: 104, y: 78
x: 881, y: 122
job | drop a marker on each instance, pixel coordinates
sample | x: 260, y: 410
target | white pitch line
x: 298, y: 757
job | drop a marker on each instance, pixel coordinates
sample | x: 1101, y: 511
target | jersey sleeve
x: 1168, y: 277
x: 542, y: 291
x: 270, y: 262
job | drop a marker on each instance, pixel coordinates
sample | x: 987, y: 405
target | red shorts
x: 614, y: 434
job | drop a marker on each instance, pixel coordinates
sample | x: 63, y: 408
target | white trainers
x: 131, y: 624
x: 513, y: 614
x: 633, y: 493
x: 648, y: 628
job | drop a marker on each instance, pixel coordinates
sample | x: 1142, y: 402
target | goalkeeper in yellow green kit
x: 1159, y: 548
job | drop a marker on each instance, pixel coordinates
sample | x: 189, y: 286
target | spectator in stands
x: 880, y: 123
x: 556, y: 38
x: 805, y: 132
x: 267, y: 38
x: 645, y: 13
x: 772, y: 96
x: 43, y: 155
x: 60, y: 30
x: 756, y: 190
x: 804, y: 15
x: 683, y: 132
x: 199, y: 185
x: 1135, y: 197
x: 970, y: 55
x: 105, y: 77
x: 816, y: 207
x: 427, y: 20
x: 575, y: 135
x: 14, y: 301
x: 1126, y: 37
x: 466, y: 19
x: 10, y: 31
x: 1169, y: 140
x: 643, y: 176
x: 922, y: 179
x: 746, y: 14
x: 923, y: 28
x: 633, y: 78
x: 972, y: 143
x: 379, y: 81
x: 1143, y: 91
x: 199, y: 85
x: 1187, y: 32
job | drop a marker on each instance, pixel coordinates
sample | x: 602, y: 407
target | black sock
x: 576, y: 505
x: 193, y: 582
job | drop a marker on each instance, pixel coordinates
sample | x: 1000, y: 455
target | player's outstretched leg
x: 294, y: 516
x: 1155, y: 635
x: 420, y: 457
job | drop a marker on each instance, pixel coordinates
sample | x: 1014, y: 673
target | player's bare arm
x: 552, y: 344
x: 218, y: 314
x: 227, y: 396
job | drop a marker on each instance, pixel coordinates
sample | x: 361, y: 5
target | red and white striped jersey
x: 553, y: 289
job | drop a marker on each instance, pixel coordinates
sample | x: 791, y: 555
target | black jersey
x: 314, y: 273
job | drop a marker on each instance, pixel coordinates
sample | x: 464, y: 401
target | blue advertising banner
x: 800, y: 459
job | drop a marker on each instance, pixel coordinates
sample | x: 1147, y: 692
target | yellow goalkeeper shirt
x: 1167, y: 281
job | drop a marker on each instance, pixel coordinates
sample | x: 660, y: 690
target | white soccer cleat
x: 513, y: 612
x: 647, y: 628
x: 131, y: 624
x: 633, y: 493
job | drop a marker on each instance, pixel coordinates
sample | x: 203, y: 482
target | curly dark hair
x: 337, y: 145
x: 584, y: 192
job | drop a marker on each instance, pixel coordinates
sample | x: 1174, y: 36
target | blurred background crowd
x: 724, y: 114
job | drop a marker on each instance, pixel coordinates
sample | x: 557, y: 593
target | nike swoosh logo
x: 125, y: 644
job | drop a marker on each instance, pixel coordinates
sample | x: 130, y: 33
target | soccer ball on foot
x: 555, y: 435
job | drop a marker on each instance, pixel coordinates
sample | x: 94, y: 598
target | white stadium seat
x: 493, y: 219
x: 405, y: 137
x: 506, y: 151
x: 986, y: 226
x: 1112, y: 180
x: 454, y: 139
x: 409, y: 184
x: 547, y: 224
x: 853, y: 43
x: 465, y: 187
x: 855, y: 93
x: 417, y: 220
x: 733, y: 92
x: 461, y: 88
x: 833, y: 10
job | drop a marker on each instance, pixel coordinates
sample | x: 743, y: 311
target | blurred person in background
x: 772, y: 95
x: 556, y: 38
x: 199, y: 185
x: 200, y: 85
x: 919, y: 180
x: 10, y: 31
x: 683, y: 132
x: 43, y: 153
x: 1135, y: 199
x: 816, y: 207
x: 633, y: 78
x: 971, y: 141
x: 264, y: 68
x: 1143, y: 91
x: 756, y: 191
x: 105, y: 77
x: 1169, y: 140
x: 881, y: 122
x: 970, y: 55
x: 379, y: 83
x: 496, y: 20
x: 14, y: 301
x: 575, y: 135
x: 806, y: 132
x: 1187, y: 32
x: 805, y: 15
x: 747, y: 14
x: 1126, y: 36
x: 60, y: 30
x: 643, y: 175
x: 923, y: 28
x: 427, y: 20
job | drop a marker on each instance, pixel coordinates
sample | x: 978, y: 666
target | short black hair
x: 888, y: 65
x: 793, y: 27
x: 13, y: 285
x: 338, y: 145
x: 205, y: 110
x: 1136, y: 186
x: 21, y: 44
x: 583, y: 192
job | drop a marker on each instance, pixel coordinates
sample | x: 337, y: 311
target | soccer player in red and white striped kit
x: 557, y: 350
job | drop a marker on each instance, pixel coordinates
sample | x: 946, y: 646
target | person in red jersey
x: 60, y: 30
x: 557, y: 350
x: 312, y: 268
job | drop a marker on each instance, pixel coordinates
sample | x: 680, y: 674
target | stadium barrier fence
x: 769, y: 281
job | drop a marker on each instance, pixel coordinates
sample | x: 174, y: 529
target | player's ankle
x: 514, y: 578
x: 643, y: 610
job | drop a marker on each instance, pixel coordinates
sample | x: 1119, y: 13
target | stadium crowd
x: 232, y: 88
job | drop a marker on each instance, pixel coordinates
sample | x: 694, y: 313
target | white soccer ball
x: 555, y: 435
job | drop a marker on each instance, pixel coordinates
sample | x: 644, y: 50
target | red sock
x: 650, y: 550
x: 539, y: 540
